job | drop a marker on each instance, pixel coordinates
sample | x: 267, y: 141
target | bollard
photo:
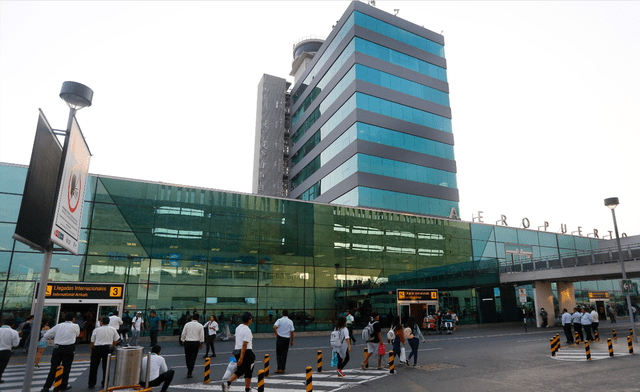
x: 309, y: 380
x: 207, y: 370
x: 587, y: 350
x: 557, y: 342
x: 597, y: 336
x: 391, y: 365
x: 319, y: 361
x: 630, y: 343
x: 58, y: 380
x: 631, y: 332
x: 615, y: 335
x: 266, y: 365
x: 261, y: 380
x: 610, y: 344
x: 366, y: 351
x: 553, y: 346
x: 577, y: 340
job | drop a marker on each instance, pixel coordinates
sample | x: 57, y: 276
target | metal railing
x: 578, y: 258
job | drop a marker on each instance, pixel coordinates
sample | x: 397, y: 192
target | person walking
x: 154, y: 327
x: 398, y: 338
x: 345, y: 348
x: 566, y: 325
x: 212, y: 328
x: 9, y: 338
x: 612, y: 314
x: 586, y: 321
x: 243, y: 352
x: 595, y: 321
x: 577, y: 325
x: 414, y: 340
x: 137, y: 324
x: 544, y: 316
x: 374, y: 344
x: 283, y: 328
x: 159, y: 373
x: 102, y: 340
x: 350, y: 321
x: 64, y: 337
x: 42, y: 344
x: 192, y: 338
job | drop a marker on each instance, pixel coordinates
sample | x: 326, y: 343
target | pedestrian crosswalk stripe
x: 13, y: 376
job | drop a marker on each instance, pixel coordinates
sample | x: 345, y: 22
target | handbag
x: 334, y: 359
x: 403, y: 355
x: 381, y: 349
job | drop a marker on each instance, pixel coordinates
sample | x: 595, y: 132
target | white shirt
x: 213, y: 327
x: 136, y: 323
x: 104, y: 336
x: 284, y: 327
x: 115, y: 322
x: 349, y: 320
x: 193, y: 332
x: 9, y: 338
x: 63, y: 333
x: 243, y: 334
x: 158, y: 366
x: 594, y: 316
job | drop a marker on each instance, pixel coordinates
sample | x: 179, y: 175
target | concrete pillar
x: 543, y: 298
x: 566, y: 296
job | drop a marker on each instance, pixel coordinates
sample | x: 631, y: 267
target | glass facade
x: 177, y: 249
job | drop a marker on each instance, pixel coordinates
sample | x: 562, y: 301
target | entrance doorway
x: 417, y: 303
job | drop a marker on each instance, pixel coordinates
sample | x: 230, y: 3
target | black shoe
x: 1, y: 381
x: 66, y: 388
x: 44, y: 390
x: 189, y: 375
x: 205, y: 357
x: 92, y: 386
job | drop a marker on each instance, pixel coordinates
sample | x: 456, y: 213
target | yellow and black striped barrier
x: 557, y: 342
x: 552, y: 341
x: 391, y: 365
x: 266, y: 365
x: 57, y: 383
x: 615, y: 335
x: 260, y: 380
x: 319, y: 361
x: 587, y: 350
x: 597, y: 335
x: 631, y: 332
x: 630, y: 344
x: 610, y: 344
x: 309, y: 379
x: 207, y: 370
x: 577, y: 340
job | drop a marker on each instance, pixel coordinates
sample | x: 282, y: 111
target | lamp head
x: 611, y: 202
x: 76, y: 95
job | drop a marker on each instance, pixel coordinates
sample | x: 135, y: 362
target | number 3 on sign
x: 115, y: 291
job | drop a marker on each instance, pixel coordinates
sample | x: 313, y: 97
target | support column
x: 543, y: 298
x: 566, y: 296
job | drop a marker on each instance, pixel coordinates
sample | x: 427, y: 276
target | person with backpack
x: 371, y: 335
x: 414, y: 340
x: 341, y: 343
x: 395, y: 337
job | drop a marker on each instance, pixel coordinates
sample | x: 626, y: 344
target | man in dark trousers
x: 544, y: 316
x: 159, y: 373
x: 566, y: 325
x: 8, y: 340
x: 102, y: 339
x: 283, y: 328
x: 192, y: 337
x: 64, y: 337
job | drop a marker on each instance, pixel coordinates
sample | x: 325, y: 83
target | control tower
x: 303, y: 52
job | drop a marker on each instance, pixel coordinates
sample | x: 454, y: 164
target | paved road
x: 496, y: 359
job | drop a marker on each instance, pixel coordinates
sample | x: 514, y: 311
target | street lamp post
x: 77, y: 96
x: 612, y: 203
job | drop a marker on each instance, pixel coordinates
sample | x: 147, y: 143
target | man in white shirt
x: 136, y: 327
x: 115, y: 321
x: 9, y: 338
x: 595, y: 320
x: 192, y: 337
x: 283, y: 328
x: 350, y: 321
x: 243, y: 352
x: 158, y: 371
x: 566, y: 325
x: 102, y: 339
x: 64, y: 337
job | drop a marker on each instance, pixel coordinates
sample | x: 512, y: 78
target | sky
x: 544, y: 95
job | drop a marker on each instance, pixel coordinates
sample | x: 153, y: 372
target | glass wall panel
x: 547, y: 239
x: 5, y: 258
x: 6, y: 232
x: 528, y: 237
x: 505, y: 234
x: 10, y: 207
x: 18, y: 298
x: 13, y: 179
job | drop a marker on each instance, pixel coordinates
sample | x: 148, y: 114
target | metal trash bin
x: 128, y: 365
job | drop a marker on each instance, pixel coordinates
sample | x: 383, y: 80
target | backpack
x: 390, y: 334
x: 408, y: 333
x: 367, y: 332
x: 336, y: 340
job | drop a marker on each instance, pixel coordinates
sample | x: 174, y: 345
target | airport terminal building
x: 175, y: 248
